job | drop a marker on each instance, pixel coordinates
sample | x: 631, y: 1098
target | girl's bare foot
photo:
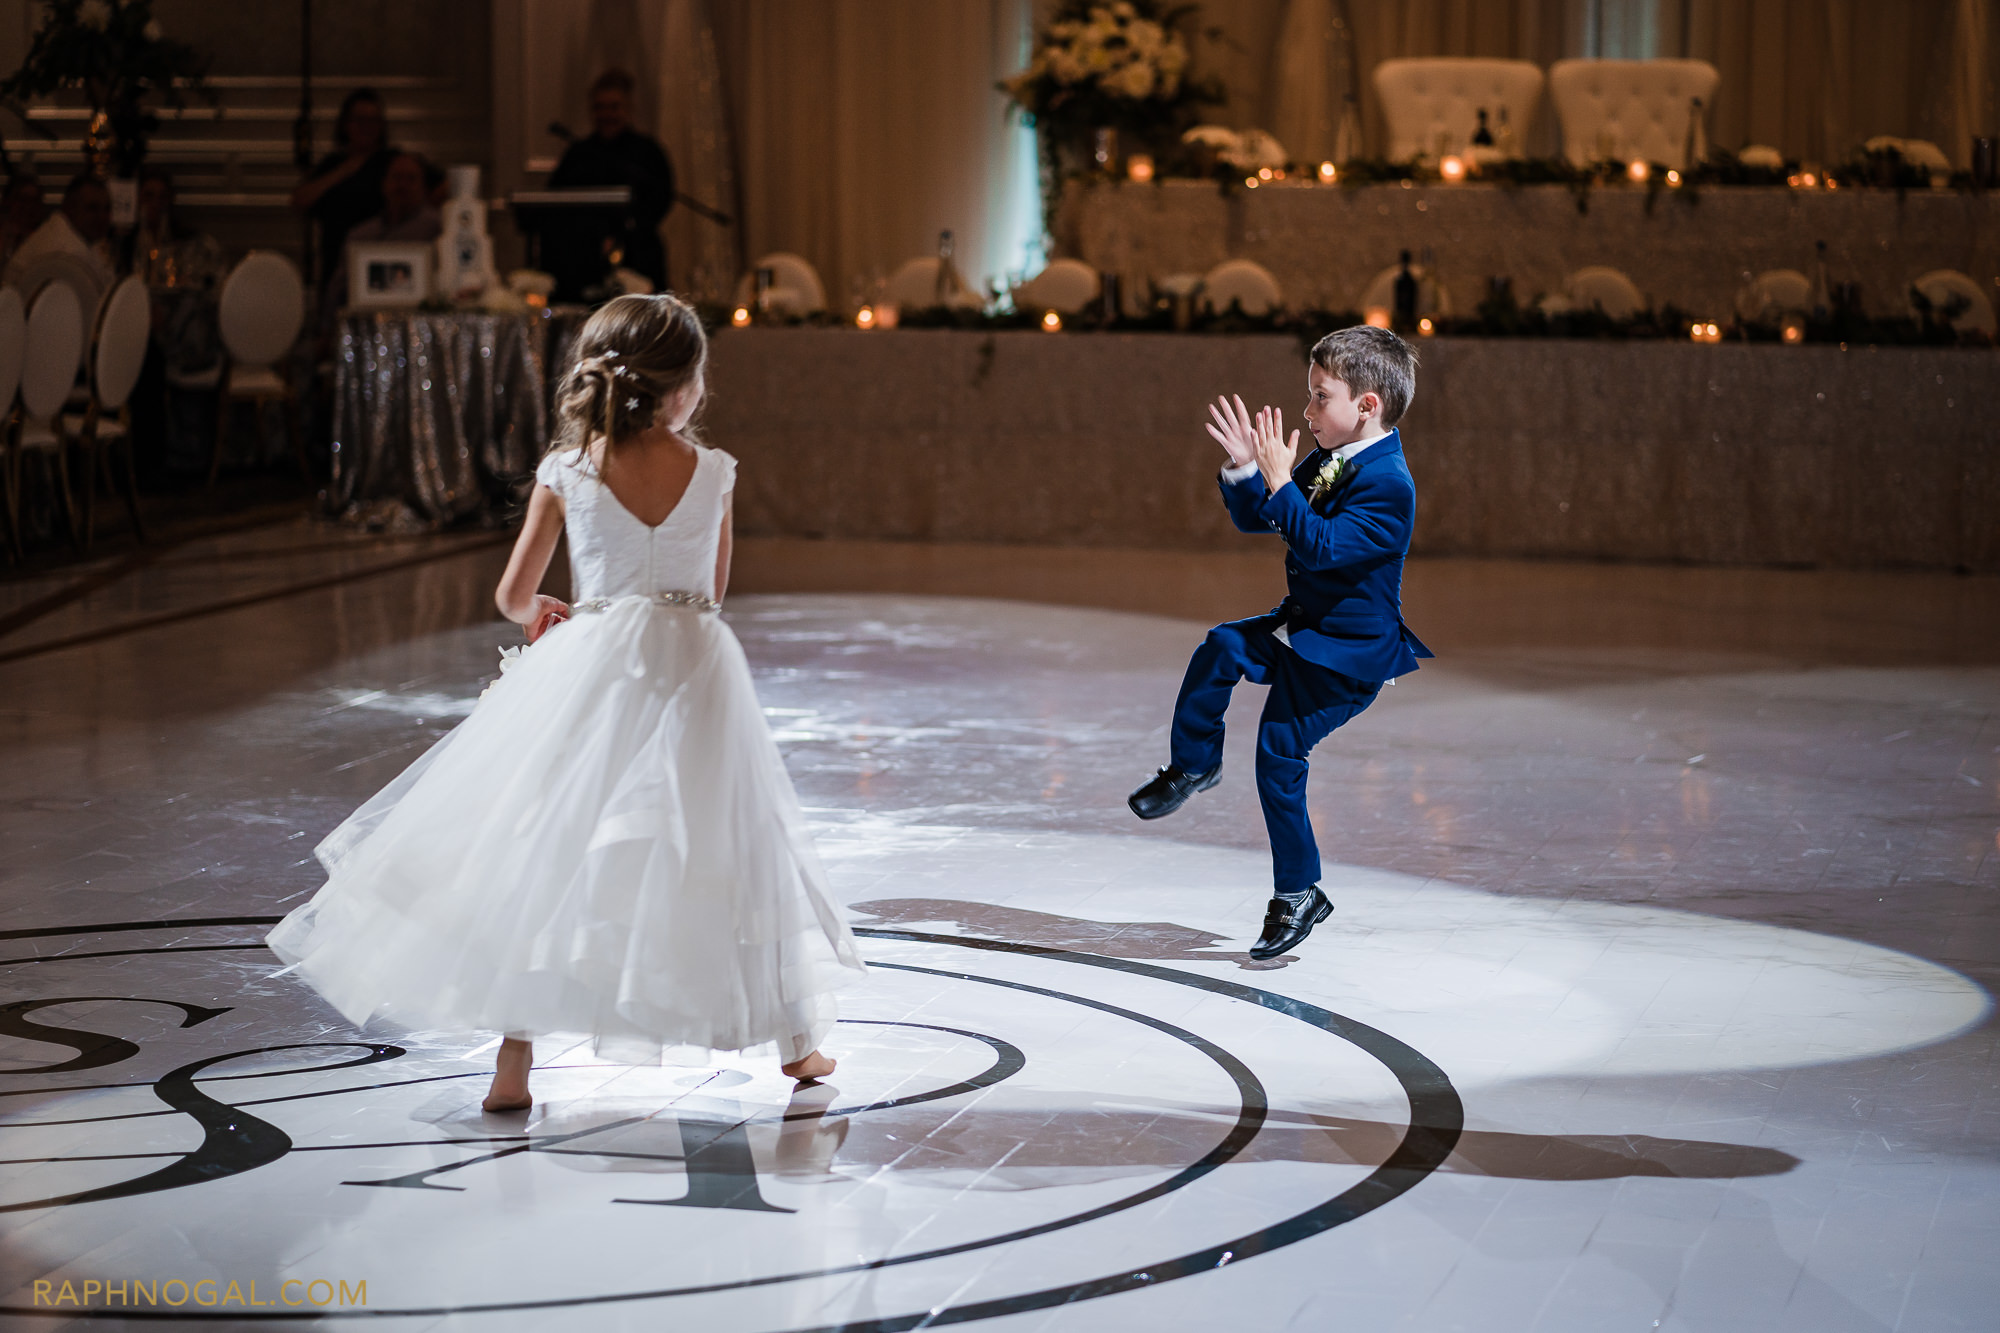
x: 510, y: 1077
x: 811, y: 1067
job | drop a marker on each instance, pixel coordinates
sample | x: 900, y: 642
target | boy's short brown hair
x: 1371, y: 360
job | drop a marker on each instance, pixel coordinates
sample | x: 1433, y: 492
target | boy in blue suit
x: 1345, y: 512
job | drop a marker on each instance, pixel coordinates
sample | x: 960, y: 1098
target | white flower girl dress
x: 609, y: 844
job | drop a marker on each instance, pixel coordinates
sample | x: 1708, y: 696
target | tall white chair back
x: 1244, y: 283
x: 54, y: 347
x: 1425, y: 99
x: 795, y: 285
x: 13, y: 346
x: 84, y: 278
x: 1620, y: 109
x: 122, y: 330
x: 262, y: 308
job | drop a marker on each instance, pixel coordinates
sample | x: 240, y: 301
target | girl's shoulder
x: 722, y: 463
x: 559, y: 467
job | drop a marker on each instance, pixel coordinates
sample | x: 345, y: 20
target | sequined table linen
x: 445, y: 411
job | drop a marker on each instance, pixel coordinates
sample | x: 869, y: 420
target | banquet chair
x: 1432, y: 298
x: 1605, y: 289
x: 1943, y: 287
x: 53, y: 344
x: 1066, y: 286
x: 117, y: 352
x: 915, y: 286
x: 261, y: 310
x: 1619, y: 109
x: 795, y: 285
x: 1244, y: 283
x: 1770, y: 296
x: 1424, y: 100
x: 13, y: 346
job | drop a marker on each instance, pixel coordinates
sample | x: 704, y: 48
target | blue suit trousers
x: 1306, y: 703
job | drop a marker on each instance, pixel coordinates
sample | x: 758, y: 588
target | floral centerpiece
x: 1119, y: 66
x: 114, y: 53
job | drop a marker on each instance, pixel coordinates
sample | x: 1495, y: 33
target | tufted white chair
x: 1422, y: 99
x: 1618, y: 109
x: 918, y: 285
x: 1432, y: 298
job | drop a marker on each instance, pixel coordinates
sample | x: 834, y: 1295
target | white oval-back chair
x: 1244, y: 283
x: 1065, y: 286
x: 916, y: 286
x: 260, y: 312
x: 13, y: 346
x: 104, y: 426
x: 1773, y: 294
x: 1432, y: 298
x: 1945, y: 287
x: 1604, y: 289
x: 795, y: 286
x: 53, y: 345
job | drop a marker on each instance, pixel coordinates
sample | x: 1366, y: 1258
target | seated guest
x: 22, y: 210
x: 183, y: 268
x: 346, y: 187
x: 580, y: 255
x: 407, y: 215
x: 82, y: 227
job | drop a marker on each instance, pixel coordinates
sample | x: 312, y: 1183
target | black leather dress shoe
x: 1288, y: 921
x: 1168, y: 790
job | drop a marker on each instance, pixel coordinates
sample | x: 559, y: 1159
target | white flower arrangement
x: 1113, y: 50
x: 1244, y: 150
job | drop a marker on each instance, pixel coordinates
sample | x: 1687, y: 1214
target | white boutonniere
x: 1329, y: 475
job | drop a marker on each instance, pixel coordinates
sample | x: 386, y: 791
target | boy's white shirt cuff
x: 1232, y: 475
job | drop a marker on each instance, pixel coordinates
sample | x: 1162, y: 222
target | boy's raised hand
x: 1233, y: 430
x: 1275, y: 455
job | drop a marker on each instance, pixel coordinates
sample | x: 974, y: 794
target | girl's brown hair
x: 633, y: 355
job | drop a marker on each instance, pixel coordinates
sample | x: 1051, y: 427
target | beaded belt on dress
x: 693, y: 599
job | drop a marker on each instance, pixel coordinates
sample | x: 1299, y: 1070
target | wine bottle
x: 1822, y: 300
x: 1482, y: 137
x: 1404, y: 316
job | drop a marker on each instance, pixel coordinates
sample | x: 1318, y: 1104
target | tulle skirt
x: 608, y: 845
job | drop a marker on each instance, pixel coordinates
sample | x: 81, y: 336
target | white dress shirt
x: 1346, y: 453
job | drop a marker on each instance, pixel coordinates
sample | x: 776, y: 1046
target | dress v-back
x: 612, y: 553
x: 609, y: 844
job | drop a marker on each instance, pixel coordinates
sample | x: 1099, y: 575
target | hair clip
x: 631, y: 404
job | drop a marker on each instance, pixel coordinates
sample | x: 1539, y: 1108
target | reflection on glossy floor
x: 1657, y: 996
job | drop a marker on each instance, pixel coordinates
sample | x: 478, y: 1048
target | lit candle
x: 1639, y: 170
x: 1139, y: 168
x: 1674, y: 179
x: 1263, y: 173
x: 1794, y: 329
x: 864, y: 318
x: 741, y: 319
x: 1452, y: 169
x: 1328, y: 173
x: 1425, y: 327
x: 1051, y: 322
x: 1249, y: 182
x: 1705, y: 333
x: 1377, y: 317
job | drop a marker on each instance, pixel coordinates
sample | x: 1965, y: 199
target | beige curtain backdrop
x: 866, y: 127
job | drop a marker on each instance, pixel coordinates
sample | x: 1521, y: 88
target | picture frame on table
x: 389, y: 275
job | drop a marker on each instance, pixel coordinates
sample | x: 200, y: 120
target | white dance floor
x: 1625, y: 1017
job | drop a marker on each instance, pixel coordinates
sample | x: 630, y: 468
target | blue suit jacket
x: 1343, y: 563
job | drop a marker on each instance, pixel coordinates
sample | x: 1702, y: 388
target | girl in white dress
x: 609, y: 844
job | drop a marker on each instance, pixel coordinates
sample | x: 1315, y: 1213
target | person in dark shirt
x: 346, y: 187
x: 614, y: 154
